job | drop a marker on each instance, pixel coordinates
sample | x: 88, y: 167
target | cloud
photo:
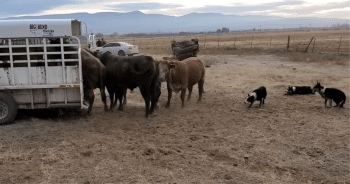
x: 20, y: 7
x: 334, y: 13
x: 284, y: 8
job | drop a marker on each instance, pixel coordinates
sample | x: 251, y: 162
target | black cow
x: 94, y: 76
x: 94, y: 72
x: 132, y: 72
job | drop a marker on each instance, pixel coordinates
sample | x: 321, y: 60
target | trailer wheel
x: 8, y: 108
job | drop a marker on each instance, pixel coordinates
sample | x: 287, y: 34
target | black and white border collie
x: 257, y: 95
x: 299, y: 90
x: 331, y: 94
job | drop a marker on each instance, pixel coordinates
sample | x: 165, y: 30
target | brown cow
x: 183, y: 75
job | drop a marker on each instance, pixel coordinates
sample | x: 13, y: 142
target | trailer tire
x: 8, y: 109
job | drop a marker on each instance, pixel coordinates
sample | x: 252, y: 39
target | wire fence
x: 334, y: 42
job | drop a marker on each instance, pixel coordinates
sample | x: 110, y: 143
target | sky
x: 279, y: 8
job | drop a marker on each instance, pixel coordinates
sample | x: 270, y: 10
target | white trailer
x: 36, y: 69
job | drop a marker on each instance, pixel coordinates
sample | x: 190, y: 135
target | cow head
x: 173, y: 76
x: 163, y: 69
x: 172, y: 73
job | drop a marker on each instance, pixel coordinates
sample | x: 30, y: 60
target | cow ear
x: 172, y: 66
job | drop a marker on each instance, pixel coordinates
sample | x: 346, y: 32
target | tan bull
x: 182, y: 75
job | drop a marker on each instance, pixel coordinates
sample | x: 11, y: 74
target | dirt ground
x: 291, y: 139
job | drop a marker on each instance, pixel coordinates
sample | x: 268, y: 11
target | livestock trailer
x: 40, y: 65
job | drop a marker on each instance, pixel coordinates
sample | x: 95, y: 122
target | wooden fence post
x: 270, y: 40
x: 205, y: 39
x: 234, y: 43
x: 288, y: 43
x: 339, y: 44
x: 309, y: 44
x: 155, y: 44
x: 147, y: 44
x: 313, y: 45
x: 163, y: 43
x: 218, y: 42
x: 251, y: 45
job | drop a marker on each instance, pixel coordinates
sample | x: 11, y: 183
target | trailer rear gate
x: 40, y: 74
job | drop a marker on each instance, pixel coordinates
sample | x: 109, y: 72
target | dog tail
x: 341, y: 105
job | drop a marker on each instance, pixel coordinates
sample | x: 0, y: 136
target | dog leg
x: 250, y: 105
x: 336, y: 105
x: 261, y: 101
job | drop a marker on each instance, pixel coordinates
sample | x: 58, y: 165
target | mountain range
x: 138, y: 22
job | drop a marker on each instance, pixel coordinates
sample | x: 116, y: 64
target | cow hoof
x: 120, y: 109
x: 167, y: 106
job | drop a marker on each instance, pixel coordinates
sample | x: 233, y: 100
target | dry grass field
x: 326, y: 41
x: 291, y: 139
